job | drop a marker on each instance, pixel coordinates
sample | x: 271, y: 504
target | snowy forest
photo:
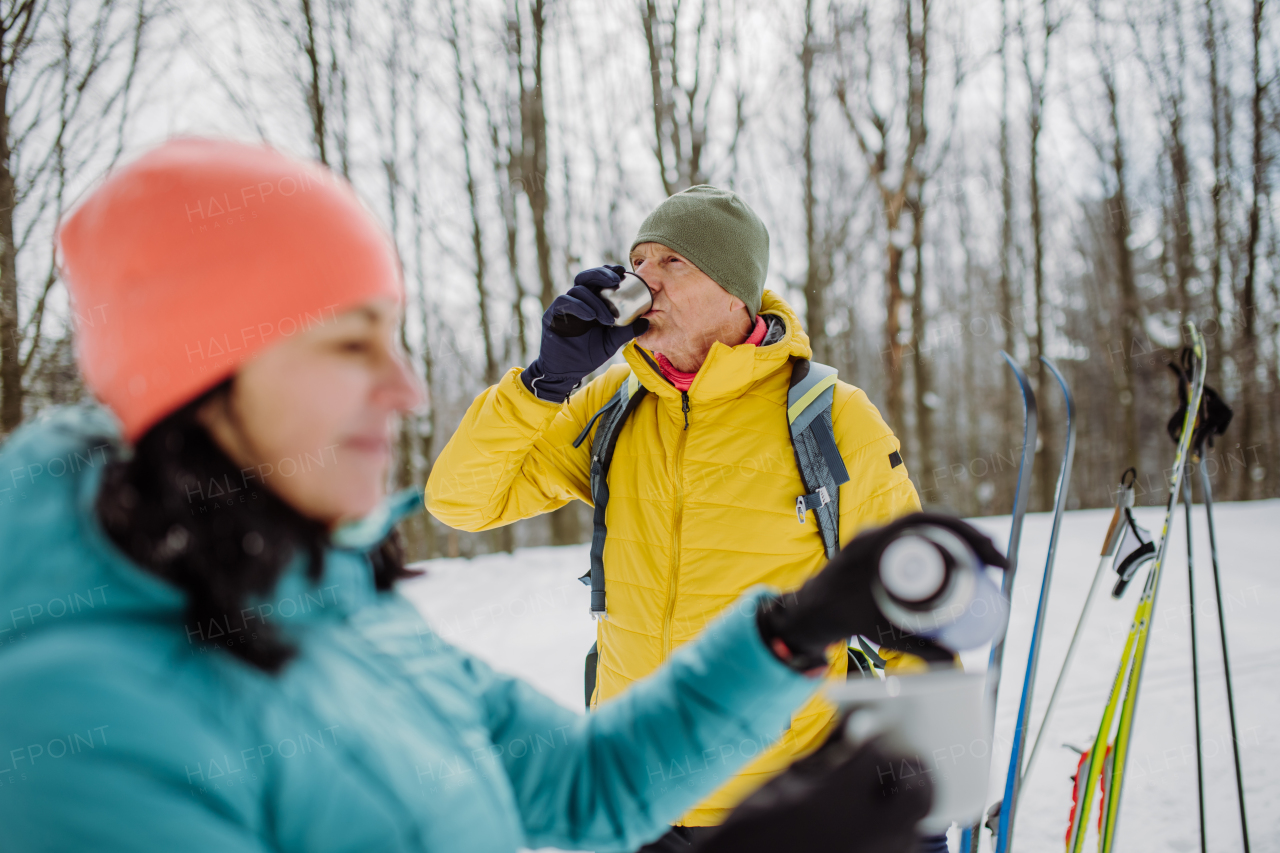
x: 941, y: 179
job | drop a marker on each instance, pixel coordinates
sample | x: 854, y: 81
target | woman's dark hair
x: 182, y: 509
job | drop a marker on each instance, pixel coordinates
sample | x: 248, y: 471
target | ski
x: 1125, y: 689
x: 1021, y: 495
x: 1129, y: 710
x: 1013, y: 780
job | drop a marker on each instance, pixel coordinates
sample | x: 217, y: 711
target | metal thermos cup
x: 931, y: 583
x: 629, y: 300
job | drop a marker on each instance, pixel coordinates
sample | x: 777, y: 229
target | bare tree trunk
x: 893, y: 196
x: 1008, y: 324
x: 422, y: 529
x: 1271, y: 485
x: 663, y: 122
x: 51, y: 99
x: 507, y: 165
x: 341, y: 130
x: 1035, y: 116
x: 11, y: 391
x: 815, y: 283
x: 473, y: 202
x: 893, y: 301
x: 502, y: 538
x: 390, y: 135
x: 1184, y: 258
x: 1220, y: 187
x: 972, y: 396
x: 315, y: 95
x: 427, y: 432
x: 920, y: 371
x: 15, y: 37
x: 680, y: 111
x: 1165, y: 74
x: 565, y: 529
x: 1246, y: 355
x: 1130, y: 303
x: 918, y: 59
x: 534, y: 122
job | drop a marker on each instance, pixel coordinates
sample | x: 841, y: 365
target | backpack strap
x: 813, y: 438
x: 612, y: 416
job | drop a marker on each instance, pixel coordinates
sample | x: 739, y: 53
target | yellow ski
x: 1129, y: 675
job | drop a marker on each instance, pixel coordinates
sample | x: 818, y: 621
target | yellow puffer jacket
x: 695, y: 515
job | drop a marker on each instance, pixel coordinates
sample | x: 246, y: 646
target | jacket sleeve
x: 879, y: 489
x: 512, y: 457
x: 104, y: 760
x: 617, y: 778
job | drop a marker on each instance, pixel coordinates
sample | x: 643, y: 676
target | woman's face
x: 322, y: 406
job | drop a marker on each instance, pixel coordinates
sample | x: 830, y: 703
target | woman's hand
x: 841, y: 799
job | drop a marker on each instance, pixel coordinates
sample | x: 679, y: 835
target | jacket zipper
x: 677, y: 519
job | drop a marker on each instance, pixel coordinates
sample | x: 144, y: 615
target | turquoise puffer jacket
x: 117, y: 732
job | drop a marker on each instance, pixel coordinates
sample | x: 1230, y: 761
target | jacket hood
x: 59, y: 566
x: 728, y: 371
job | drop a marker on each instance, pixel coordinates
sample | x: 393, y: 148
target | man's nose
x: 652, y: 277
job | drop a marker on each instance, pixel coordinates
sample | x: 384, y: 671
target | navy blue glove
x: 578, y: 335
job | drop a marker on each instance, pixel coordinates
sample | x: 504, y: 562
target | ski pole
x: 1066, y: 663
x: 1195, y: 663
x: 1226, y: 665
x: 1115, y: 532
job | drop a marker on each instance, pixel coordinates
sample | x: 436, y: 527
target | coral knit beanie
x: 188, y: 261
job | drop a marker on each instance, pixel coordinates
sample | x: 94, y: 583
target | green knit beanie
x: 719, y: 233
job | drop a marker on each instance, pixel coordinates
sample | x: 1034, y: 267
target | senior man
x: 702, y: 483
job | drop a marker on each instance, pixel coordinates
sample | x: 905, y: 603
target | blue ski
x: 1020, y: 498
x: 1013, y: 781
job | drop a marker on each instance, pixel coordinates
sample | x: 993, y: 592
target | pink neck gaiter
x: 683, y: 380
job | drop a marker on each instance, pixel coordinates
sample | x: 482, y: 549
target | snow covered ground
x: 527, y: 614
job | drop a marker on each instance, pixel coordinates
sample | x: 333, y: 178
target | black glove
x: 1214, y: 416
x: 837, y: 603
x: 578, y: 335
x: 841, y: 799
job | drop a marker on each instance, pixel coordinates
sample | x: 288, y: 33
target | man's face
x: 689, y: 309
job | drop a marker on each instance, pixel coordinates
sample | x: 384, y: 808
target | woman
x: 201, y: 647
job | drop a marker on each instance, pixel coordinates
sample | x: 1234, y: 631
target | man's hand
x: 841, y: 799
x: 837, y: 603
x: 578, y: 335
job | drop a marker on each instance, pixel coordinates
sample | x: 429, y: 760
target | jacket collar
x: 366, y: 533
x: 728, y: 371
